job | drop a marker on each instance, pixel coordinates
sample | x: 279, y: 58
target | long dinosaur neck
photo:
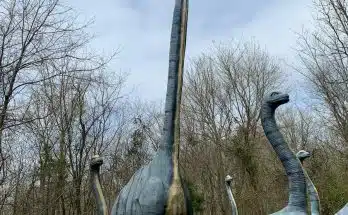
x: 177, y: 202
x: 313, y: 194
x: 171, y: 129
x: 293, y: 168
x: 233, y: 202
x: 98, y: 193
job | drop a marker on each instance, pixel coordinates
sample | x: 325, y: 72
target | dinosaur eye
x: 274, y: 93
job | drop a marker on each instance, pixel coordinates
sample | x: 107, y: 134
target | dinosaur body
x: 157, y: 188
x: 228, y: 181
x: 297, y: 203
x: 95, y: 164
x: 311, y: 189
x: 343, y: 211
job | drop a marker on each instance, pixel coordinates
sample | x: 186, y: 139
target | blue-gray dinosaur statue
x: 343, y: 211
x: 297, y: 203
x: 311, y: 189
x: 157, y: 188
x: 228, y: 181
x: 95, y: 164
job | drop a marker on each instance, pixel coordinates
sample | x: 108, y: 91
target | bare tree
x: 324, y: 55
x: 34, y: 34
x: 223, y: 95
x: 300, y: 128
x: 79, y: 124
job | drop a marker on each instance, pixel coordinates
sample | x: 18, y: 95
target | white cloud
x: 142, y: 30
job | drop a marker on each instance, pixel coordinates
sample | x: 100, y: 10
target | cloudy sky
x: 141, y: 30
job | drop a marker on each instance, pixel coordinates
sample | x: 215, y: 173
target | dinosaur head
x: 275, y: 99
x: 302, y: 155
x: 96, y: 162
x: 228, y: 180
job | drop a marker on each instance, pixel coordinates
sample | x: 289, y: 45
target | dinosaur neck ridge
x: 177, y: 202
x: 231, y: 198
x: 293, y: 168
x: 171, y: 129
x: 98, y: 193
x: 156, y: 188
x: 313, y: 194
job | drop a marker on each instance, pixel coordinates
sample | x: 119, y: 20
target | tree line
x: 60, y: 104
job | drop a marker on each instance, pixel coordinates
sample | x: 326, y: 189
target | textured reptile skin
x: 311, y: 189
x: 95, y: 164
x: 157, y: 188
x: 297, y: 203
x: 228, y: 181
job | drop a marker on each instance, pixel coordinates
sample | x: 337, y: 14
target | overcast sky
x: 141, y: 29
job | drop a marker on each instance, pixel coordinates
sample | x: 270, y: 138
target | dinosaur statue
x: 343, y: 211
x: 157, y: 188
x: 95, y: 164
x: 297, y: 203
x: 313, y: 193
x: 228, y: 181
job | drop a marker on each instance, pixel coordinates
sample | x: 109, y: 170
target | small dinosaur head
x: 228, y: 179
x: 96, y: 162
x: 275, y: 99
x: 302, y: 155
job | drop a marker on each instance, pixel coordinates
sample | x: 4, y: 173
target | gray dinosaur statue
x: 157, y: 188
x: 343, y: 211
x: 228, y: 181
x: 95, y: 164
x: 312, y: 190
x: 297, y: 203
